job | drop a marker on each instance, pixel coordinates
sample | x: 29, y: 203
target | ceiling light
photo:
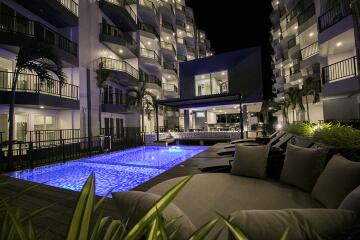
x: 187, y: 27
x: 214, y: 109
x: 338, y: 44
x: 149, y: 43
x: 225, y: 112
x: 311, y: 34
x: 202, y: 76
x: 167, y: 38
x: 121, y: 51
x: 223, y: 73
x: 201, y: 35
x: 277, y: 2
x: 168, y: 76
x: 296, y: 27
x: 235, y: 107
x: 42, y: 107
x: 279, y: 33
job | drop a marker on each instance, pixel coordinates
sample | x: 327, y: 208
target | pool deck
x: 57, y: 217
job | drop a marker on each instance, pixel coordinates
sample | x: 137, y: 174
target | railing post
x: 30, y: 155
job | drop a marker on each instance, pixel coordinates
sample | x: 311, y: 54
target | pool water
x: 117, y: 171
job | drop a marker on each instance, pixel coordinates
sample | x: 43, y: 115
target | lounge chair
x: 276, y: 133
x: 272, y: 141
x: 275, y: 145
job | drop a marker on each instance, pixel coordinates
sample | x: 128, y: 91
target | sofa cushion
x: 302, y: 166
x: 339, y: 178
x: 250, y: 161
x: 226, y: 193
x: 352, y: 201
x: 314, y: 224
x: 133, y: 206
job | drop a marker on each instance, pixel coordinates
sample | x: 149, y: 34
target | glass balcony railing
x: 144, y: 77
x: 168, y: 26
x: 170, y: 87
x: 32, y: 83
x: 170, y: 66
x: 118, y: 65
x: 168, y: 46
x: 126, y: 4
x: 149, y: 4
x: 39, y: 32
x: 148, y: 28
x: 334, y: 15
x: 309, y: 50
x: 180, y: 24
x: 167, y: 5
x: 150, y: 54
x: 71, y: 5
x: 306, y: 14
x: 115, y: 32
x: 340, y: 70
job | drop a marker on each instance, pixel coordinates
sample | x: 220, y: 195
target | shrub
x: 300, y: 129
x: 337, y: 136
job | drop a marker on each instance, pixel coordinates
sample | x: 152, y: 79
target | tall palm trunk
x: 293, y: 112
x: 307, y: 108
x: 100, y: 103
x: 142, y: 119
x: 10, y: 165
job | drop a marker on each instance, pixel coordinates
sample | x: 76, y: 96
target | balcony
x: 14, y: 31
x: 309, y: 51
x: 180, y: 7
x: 60, y: 13
x: 148, y: 28
x: 170, y: 67
x: 30, y: 90
x: 118, y: 41
x: 334, y: 15
x: 148, y: 12
x: 113, y: 103
x: 180, y: 24
x: 120, y: 13
x: 122, y: 71
x: 151, y: 54
x: 170, y: 90
x: 146, y: 78
x: 169, y: 47
x: 306, y: 14
x: 340, y: 70
x: 168, y: 26
x: 168, y: 6
x: 181, y: 57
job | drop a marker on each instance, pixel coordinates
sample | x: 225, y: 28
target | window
x: 212, y: 83
x: 42, y: 122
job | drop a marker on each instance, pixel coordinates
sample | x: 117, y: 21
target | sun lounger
x: 272, y: 139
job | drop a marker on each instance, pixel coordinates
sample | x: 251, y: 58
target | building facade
x: 138, y: 41
x: 316, y: 40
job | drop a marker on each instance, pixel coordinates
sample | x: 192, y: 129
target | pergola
x: 201, y: 101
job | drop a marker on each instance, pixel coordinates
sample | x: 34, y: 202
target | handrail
x: 334, y: 15
x: 71, y: 5
x: 144, y: 77
x: 149, y: 4
x: 309, y: 50
x: 180, y: 23
x: 148, y: 28
x: 113, y: 31
x: 168, y: 46
x: 170, y: 66
x: 170, y: 87
x: 125, y: 4
x: 306, y: 14
x: 149, y: 54
x: 340, y: 70
x: 32, y: 83
x: 167, y: 25
x: 38, y: 31
x: 118, y: 65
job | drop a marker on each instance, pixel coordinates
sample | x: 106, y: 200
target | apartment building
x: 138, y: 41
x: 317, y: 39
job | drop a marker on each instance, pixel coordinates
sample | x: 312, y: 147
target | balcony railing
x: 37, y: 31
x: 334, y: 15
x: 167, y: 5
x: 180, y: 7
x: 125, y: 4
x: 170, y: 87
x: 32, y: 83
x: 168, y: 46
x: 71, y: 5
x: 150, y: 5
x: 306, y: 14
x: 118, y: 65
x: 112, y: 98
x: 112, y: 31
x: 309, y: 50
x: 144, y: 77
x: 189, y: 19
x: 292, y: 43
x: 340, y: 70
x: 180, y: 23
x: 170, y: 66
x: 150, y: 54
x: 181, y: 57
x: 148, y: 28
x: 168, y: 26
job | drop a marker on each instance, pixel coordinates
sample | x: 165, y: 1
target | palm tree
x: 149, y: 105
x: 39, y: 58
x: 268, y: 106
x: 284, y: 105
x: 102, y: 75
x: 311, y: 87
x: 295, y: 98
x: 139, y: 97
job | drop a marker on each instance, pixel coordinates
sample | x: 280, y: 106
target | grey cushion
x: 133, y: 206
x: 250, y: 161
x: 314, y: 224
x: 352, y: 201
x: 303, y: 166
x: 338, y: 179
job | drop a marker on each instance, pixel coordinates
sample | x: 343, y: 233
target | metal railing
x: 334, y: 15
x: 170, y: 66
x: 125, y: 38
x: 291, y: 43
x: 340, y: 70
x: 180, y: 7
x: 125, y: 4
x: 309, y: 50
x: 113, y: 98
x: 32, y: 83
x: 144, y: 77
x: 181, y: 57
x: 168, y: 26
x: 167, y: 5
x: 168, y: 46
x: 118, y: 65
x: 71, y: 5
x: 180, y: 23
x: 149, y: 4
x: 148, y: 28
x: 170, y: 87
x: 306, y: 14
x: 39, y: 32
x: 150, y: 54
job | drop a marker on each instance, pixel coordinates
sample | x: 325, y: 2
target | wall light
x: 42, y: 107
x: 338, y: 44
x: 121, y: 51
x: 311, y: 34
x: 223, y: 73
x: 149, y: 43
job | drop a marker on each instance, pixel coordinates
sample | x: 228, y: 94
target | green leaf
x: 139, y: 228
x: 153, y: 233
x: 204, y: 230
x: 14, y: 218
x: 235, y: 232
x: 113, y: 229
x: 285, y: 234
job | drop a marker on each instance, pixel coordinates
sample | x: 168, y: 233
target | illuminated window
x: 211, y: 83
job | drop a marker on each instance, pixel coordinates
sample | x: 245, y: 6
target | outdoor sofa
x: 316, y: 198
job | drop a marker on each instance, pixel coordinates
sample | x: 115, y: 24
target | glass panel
x: 202, y: 85
x: 213, y: 83
x: 20, y: 127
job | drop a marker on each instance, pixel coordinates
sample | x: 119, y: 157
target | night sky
x: 235, y: 24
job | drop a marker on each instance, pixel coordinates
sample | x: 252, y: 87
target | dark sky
x: 236, y: 24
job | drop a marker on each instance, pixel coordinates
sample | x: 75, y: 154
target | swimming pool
x: 120, y: 171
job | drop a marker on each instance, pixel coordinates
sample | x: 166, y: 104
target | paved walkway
x: 57, y: 217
